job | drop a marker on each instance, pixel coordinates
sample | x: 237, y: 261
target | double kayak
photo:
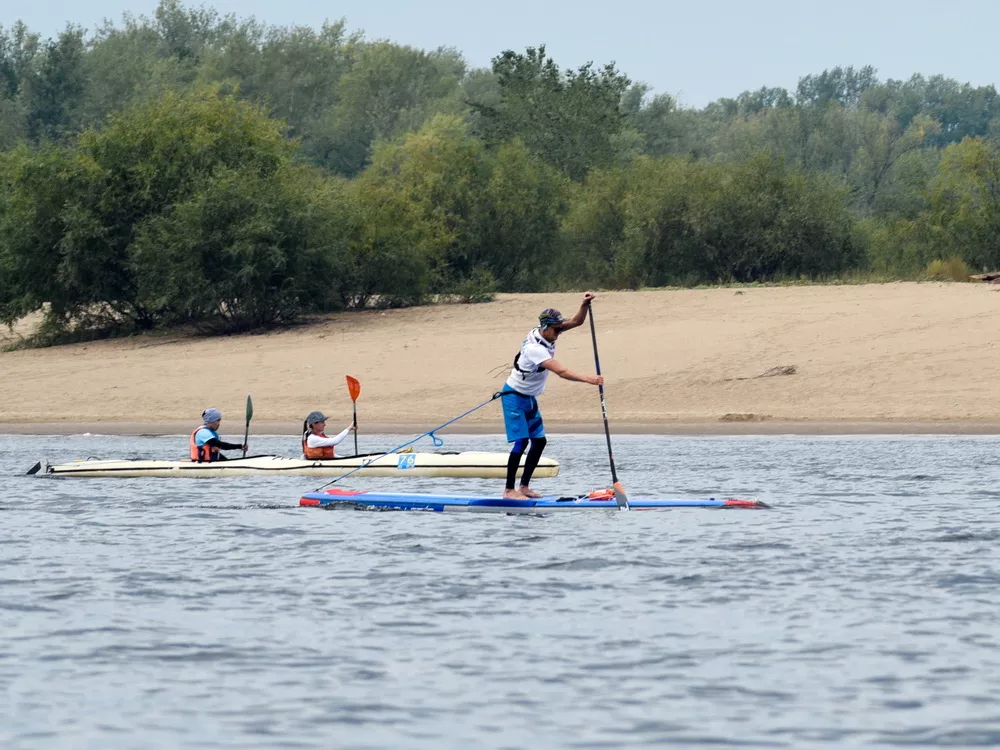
x: 366, y: 500
x: 469, y: 464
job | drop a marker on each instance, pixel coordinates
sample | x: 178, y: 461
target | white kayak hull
x: 471, y: 464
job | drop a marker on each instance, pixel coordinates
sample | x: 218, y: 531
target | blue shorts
x: 521, y: 417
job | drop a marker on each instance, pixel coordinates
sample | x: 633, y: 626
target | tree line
x: 192, y: 168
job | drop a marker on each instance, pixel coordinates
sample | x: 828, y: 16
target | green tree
x: 186, y: 34
x: 239, y: 254
x: 963, y: 214
x: 438, y: 173
x: 53, y: 93
x: 883, y: 141
x: 665, y: 128
x: 845, y: 86
x: 86, y: 216
x: 19, y: 49
x: 569, y: 119
x: 394, y: 249
x: 35, y: 189
x: 124, y: 65
x: 593, y: 228
x: 668, y: 221
x: 519, y: 211
x: 295, y: 71
x: 388, y: 91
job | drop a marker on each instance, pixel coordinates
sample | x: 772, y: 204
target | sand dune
x: 906, y: 356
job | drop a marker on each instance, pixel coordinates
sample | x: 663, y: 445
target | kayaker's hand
x: 353, y: 428
x: 245, y: 447
x: 587, y: 297
x: 596, y: 380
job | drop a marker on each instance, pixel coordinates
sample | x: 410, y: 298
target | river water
x: 169, y: 613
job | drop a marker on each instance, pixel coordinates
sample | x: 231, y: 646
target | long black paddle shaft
x: 355, y: 428
x: 600, y: 388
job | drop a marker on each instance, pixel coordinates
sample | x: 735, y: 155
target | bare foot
x: 513, y: 495
x: 528, y: 492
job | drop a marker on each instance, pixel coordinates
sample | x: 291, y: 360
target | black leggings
x: 514, y: 461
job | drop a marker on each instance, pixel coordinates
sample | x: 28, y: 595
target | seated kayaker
x: 315, y: 443
x: 205, y: 441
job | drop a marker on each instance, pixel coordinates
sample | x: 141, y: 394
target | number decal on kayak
x: 406, y: 461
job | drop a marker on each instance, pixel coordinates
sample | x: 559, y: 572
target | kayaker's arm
x: 315, y: 441
x: 224, y: 446
x: 567, y: 374
x: 581, y: 314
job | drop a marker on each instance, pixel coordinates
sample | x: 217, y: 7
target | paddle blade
x: 620, y: 497
x: 246, y: 432
x: 353, y: 387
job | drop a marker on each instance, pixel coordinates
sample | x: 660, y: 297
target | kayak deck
x: 366, y: 500
x: 471, y: 464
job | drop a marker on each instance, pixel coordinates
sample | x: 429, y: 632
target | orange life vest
x: 202, y: 453
x: 315, y: 453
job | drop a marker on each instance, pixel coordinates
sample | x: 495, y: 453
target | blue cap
x: 211, y: 415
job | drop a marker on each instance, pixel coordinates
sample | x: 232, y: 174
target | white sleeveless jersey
x: 527, y: 376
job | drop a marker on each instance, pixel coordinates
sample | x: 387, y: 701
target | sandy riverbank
x: 877, y: 358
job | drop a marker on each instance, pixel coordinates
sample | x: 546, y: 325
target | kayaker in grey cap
x: 205, y: 441
x: 315, y: 443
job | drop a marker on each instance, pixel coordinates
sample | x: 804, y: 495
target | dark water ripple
x: 860, y: 611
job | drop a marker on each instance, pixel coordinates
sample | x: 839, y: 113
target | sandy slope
x: 903, y: 353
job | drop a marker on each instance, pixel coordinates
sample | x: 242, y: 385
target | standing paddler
x: 521, y: 417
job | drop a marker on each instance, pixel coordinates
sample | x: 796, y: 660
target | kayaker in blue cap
x: 521, y: 416
x: 205, y: 441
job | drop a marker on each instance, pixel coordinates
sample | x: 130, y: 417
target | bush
x: 480, y: 286
x: 677, y: 221
x: 236, y: 256
x: 953, y: 269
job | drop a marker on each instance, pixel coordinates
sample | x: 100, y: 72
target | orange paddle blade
x: 354, y: 387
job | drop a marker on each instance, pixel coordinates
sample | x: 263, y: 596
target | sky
x: 697, y: 50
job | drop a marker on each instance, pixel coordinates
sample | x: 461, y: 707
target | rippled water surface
x: 861, y: 610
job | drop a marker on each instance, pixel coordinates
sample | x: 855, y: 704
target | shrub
x: 953, y: 269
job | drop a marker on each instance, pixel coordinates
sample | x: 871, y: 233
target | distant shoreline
x: 694, y: 429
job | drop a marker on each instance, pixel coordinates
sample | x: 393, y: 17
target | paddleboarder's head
x: 211, y: 418
x: 550, y: 317
x: 550, y: 322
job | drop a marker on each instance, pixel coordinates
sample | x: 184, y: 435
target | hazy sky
x: 698, y: 50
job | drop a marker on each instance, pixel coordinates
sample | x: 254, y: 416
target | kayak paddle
x: 354, y: 388
x: 620, y: 495
x: 246, y: 433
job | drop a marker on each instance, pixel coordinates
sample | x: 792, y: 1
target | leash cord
x: 437, y: 441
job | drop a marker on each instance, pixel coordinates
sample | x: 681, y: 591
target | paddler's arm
x: 567, y: 374
x: 581, y: 315
x: 315, y: 441
x: 224, y: 446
